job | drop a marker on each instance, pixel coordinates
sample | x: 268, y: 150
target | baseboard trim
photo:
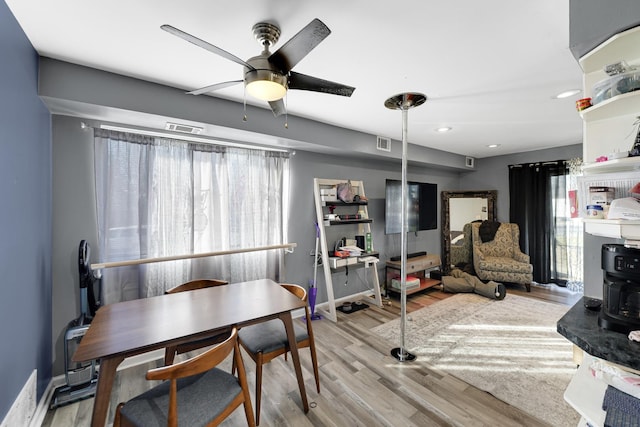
x: 43, y: 404
x: 23, y: 408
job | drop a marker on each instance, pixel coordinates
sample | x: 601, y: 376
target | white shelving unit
x: 613, y: 228
x: 608, y: 125
x: 627, y: 164
x: 359, y: 226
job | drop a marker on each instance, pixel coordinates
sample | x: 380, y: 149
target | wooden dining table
x: 129, y: 328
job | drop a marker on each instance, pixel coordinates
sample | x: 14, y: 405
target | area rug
x: 509, y: 348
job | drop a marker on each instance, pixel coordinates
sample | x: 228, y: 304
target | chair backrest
x: 196, y: 284
x: 505, y: 243
x: 301, y: 293
x: 198, y: 364
x: 297, y: 290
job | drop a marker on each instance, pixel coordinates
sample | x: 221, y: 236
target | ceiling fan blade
x: 216, y: 86
x: 205, y: 45
x: 299, y: 45
x: 278, y: 107
x: 305, y: 82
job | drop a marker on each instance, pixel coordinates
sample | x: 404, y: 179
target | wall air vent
x: 177, y: 127
x: 469, y: 162
x: 383, y: 144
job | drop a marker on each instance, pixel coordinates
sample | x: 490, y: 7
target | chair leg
x: 314, y: 362
x: 117, y: 420
x: 258, y: 386
x: 528, y: 286
x: 169, y: 355
x: 242, y: 378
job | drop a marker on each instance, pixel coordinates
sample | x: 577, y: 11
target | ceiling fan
x: 268, y: 76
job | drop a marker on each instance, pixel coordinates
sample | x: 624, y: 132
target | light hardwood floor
x: 361, y: 384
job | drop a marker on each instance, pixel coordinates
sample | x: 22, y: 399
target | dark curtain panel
x: 534, y: 190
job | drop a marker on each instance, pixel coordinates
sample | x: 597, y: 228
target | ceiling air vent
x: 177, y: 127
x: 383, y: 144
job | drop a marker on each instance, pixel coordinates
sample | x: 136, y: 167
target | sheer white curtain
x: 161, y: 197
x: 575, y: 279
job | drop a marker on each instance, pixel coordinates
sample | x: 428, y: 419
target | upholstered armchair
x: 500, y: 258
x: 461, y: 250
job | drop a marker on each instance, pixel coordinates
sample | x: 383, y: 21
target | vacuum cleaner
x: 80, y: 378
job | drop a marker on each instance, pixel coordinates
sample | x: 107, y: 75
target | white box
x: 329, y: 194
x: 601, y: 195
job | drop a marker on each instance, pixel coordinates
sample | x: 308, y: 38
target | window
x: 161, y: 197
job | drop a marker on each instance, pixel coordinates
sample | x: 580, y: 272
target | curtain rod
x: 204, y: 139
x: 555, y: 162
x: 99, y: 266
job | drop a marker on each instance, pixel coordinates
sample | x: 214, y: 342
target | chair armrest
x: 521, y: 257
x: 478, y: 253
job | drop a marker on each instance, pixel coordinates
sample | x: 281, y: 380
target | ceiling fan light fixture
x: 266, y: 85
x: 268, y: 76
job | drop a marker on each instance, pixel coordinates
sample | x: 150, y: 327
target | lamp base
x: 402, y: 355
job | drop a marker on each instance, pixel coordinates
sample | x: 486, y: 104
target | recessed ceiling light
x: 567, y: 93
x: 493, y: 145
x: 443, y: 129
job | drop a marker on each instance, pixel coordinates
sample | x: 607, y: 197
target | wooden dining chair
x: 194, y: 392
x: 196, y: 284
x: 170, y: 352
x: 268, y: 340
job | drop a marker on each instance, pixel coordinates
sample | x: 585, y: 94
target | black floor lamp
x: 404, y: 102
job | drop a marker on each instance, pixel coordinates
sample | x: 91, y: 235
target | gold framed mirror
x: 460, y: 208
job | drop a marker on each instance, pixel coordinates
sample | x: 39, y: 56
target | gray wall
x: 594, y: 21
x: 25, y: 217
x: 74, y: 219
x: 75, y: 90
x: 592, y: 271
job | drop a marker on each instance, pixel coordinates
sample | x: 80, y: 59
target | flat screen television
x: 422, y: 206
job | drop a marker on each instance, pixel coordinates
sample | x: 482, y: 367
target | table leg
x: 106, y: 376
x: 293, y: 345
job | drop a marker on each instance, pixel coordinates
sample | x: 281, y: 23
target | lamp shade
x: 266, y: 85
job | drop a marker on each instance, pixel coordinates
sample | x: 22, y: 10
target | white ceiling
x: 490, y: 69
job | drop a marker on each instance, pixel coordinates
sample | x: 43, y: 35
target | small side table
x: 417, y: 267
